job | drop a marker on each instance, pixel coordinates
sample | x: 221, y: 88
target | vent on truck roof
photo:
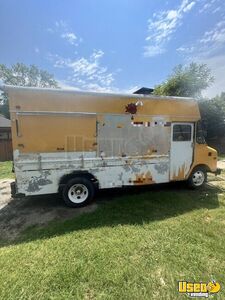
x: 144, y: 91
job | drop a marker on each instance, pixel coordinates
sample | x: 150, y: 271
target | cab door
x: 181, y: 152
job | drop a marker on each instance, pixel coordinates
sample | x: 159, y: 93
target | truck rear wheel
x: 197, y: 178
x: 78, y: 192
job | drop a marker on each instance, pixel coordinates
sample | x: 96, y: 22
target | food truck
x: 76, y: 142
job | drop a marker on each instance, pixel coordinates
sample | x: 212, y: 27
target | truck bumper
x: 14, y: 192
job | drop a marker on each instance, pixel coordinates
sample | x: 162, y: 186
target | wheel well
x: 65, y: 178
x: 205, y: 167
x: 202, y: 166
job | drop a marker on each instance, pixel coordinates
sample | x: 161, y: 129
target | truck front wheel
x: 197, y: 178
x: 78, y: 192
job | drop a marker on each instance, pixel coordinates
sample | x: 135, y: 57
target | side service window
x: 181, y: 133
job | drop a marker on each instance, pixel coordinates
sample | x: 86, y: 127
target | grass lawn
x: 6, y: 170
x: 136, y: 245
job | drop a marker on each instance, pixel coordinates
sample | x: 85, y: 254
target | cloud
x: 37, y: 50
x: 208, y: 6
x: 62, y: 28
x: 211, y: 52
x: 209, y: 49
x: 151, y: 51
x: 216, y: 36
x: 61, y: 24
x: 58, y: 26
x: 210, y: 44
x: 70, y: 37
x: 217, y: 9
x: 86, y: 73
x: 217, y: 66
x: 188, y: 7
x: 162, y: 26
x: 185, y: 50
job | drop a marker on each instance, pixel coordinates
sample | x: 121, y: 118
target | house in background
x: 6, y: 152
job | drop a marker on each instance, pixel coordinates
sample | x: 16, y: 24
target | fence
x: 6, y: 152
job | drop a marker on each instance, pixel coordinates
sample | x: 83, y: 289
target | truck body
x: 110, y: 140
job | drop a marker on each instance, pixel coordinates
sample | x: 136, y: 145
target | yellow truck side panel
x: 50, y: 133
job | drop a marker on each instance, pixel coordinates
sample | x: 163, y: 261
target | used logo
x: 198, y: 289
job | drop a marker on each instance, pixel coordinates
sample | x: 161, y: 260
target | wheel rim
x: 78, y: 193
x: 198, y: 178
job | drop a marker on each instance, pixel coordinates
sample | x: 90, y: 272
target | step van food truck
x: 77, y: 142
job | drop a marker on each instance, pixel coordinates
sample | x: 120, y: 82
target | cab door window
x: 181, y: 133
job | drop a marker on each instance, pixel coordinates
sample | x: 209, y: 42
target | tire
x: 78, y: 192
x: 197, y: 178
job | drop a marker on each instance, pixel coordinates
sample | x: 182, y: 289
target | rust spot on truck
x: 181, y: 173
x: 142, y: 179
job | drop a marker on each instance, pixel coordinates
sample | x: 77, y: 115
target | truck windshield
x: 200, y: 139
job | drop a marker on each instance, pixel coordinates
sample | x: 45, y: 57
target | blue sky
x: 114, y: 45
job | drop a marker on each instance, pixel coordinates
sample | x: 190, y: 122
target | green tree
x: 21, y: 75
x: 213, y: 114
x: 186, y: 81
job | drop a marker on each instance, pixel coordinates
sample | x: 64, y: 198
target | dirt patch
x: 18, y: 214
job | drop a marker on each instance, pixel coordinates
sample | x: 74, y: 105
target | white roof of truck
x: 9, y: 88
x: 4, y: 123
